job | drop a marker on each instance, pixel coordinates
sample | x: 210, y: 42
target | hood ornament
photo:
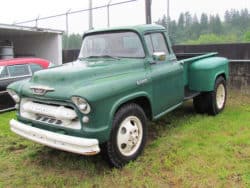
x: 41, y: 90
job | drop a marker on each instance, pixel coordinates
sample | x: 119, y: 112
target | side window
x: 158, y: 43
x: 35, y: 67
x: 3, y: 72
x: 18, y: 70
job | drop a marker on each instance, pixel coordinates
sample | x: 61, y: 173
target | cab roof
x: 138, y: 28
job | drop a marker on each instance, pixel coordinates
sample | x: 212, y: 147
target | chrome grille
x: 53, y: 114
x: 49, y: 120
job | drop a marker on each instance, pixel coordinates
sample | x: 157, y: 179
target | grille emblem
x: 41, y: 90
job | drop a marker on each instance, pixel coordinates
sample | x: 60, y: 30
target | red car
x: 12, y: 70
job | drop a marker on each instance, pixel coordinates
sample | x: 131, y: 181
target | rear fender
x: 203, y: 73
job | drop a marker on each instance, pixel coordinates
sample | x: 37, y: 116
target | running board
x: 190, y: 94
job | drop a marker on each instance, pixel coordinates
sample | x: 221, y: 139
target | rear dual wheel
x: 212, y: 102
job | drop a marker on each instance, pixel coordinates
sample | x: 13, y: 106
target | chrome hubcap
x: 129, y: 136
x: 220, y: 96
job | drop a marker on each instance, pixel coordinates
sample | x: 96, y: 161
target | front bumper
x: 72, y: 144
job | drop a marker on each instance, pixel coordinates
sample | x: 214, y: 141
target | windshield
x: 122, y: 44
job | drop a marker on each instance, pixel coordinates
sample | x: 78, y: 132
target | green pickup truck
x: 102, y: 101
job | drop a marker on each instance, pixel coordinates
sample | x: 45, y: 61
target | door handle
x: 153, y: 63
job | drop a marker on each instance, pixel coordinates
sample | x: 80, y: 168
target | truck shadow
x: 49, y: 158
x: 159, y: 127
x: 64, y: 162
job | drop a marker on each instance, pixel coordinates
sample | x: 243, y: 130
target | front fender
x: 122, y: 101
x: 18, y: 85
x: 126, y: 99
x: 106, y: 95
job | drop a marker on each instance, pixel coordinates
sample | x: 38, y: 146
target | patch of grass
x: 185, y: 149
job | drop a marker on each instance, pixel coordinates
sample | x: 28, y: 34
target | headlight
x: 14, y: 95
x: 81, y: 104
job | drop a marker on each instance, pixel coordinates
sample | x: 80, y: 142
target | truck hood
x: 69, y: 77
x: 83, y: 72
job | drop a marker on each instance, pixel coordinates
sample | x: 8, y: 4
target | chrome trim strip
x: 15, y: 77
x: 42, y: 87
x: 3, y: 92
x: 41, y: 90
x: 7, y: 109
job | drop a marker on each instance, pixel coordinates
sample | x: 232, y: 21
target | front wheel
x: 128, y: 135
x: 217, y: 98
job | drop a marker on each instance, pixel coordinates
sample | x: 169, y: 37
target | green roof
x: 137, y: 28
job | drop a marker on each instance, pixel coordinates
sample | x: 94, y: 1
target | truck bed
x: 181, y: 56
x: 188, y: 59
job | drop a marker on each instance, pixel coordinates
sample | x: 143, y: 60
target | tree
x: 247, y: 36
x: 195, y: 27
x: 227, y: 17
x: 180, y: 33
x: 162, y: 21
x: 204, y: 23
x: 172, y: 32
x: 72, y: 41
x: 190, y: 28
x: 244, y: 19
x: 181, y: 21
x: 188, y: 19
x: 215, y: 24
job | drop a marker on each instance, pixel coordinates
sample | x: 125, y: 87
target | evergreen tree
x: 204, y: 23
x: 215, y: 25
x: 227, y: 17
x: 172, y: 32
x: 188, y: 19
x: 72, y: 41
x: 181, y: 21
x: 190, y: 28
x: 195, y: 27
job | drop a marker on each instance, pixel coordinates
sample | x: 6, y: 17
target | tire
x: 200, y: 103
x: 128, y: 136
x: 217, y: 98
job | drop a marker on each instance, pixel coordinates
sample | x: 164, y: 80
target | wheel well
x: 144, y: 103
x: 222, y: 75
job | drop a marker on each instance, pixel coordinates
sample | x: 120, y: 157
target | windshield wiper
x: 100, y: 56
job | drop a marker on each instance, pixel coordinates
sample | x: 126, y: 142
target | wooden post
x: 148, y: 11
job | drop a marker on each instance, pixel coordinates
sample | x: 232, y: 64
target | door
x: 166, y: 75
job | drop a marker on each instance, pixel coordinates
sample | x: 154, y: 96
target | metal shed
x: 33, y: 41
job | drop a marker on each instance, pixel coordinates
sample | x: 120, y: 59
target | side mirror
x: 159, y: 56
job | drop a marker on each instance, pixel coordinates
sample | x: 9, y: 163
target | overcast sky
x: 129, y: 14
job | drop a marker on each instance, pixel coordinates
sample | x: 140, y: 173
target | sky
x: 129, y: 14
